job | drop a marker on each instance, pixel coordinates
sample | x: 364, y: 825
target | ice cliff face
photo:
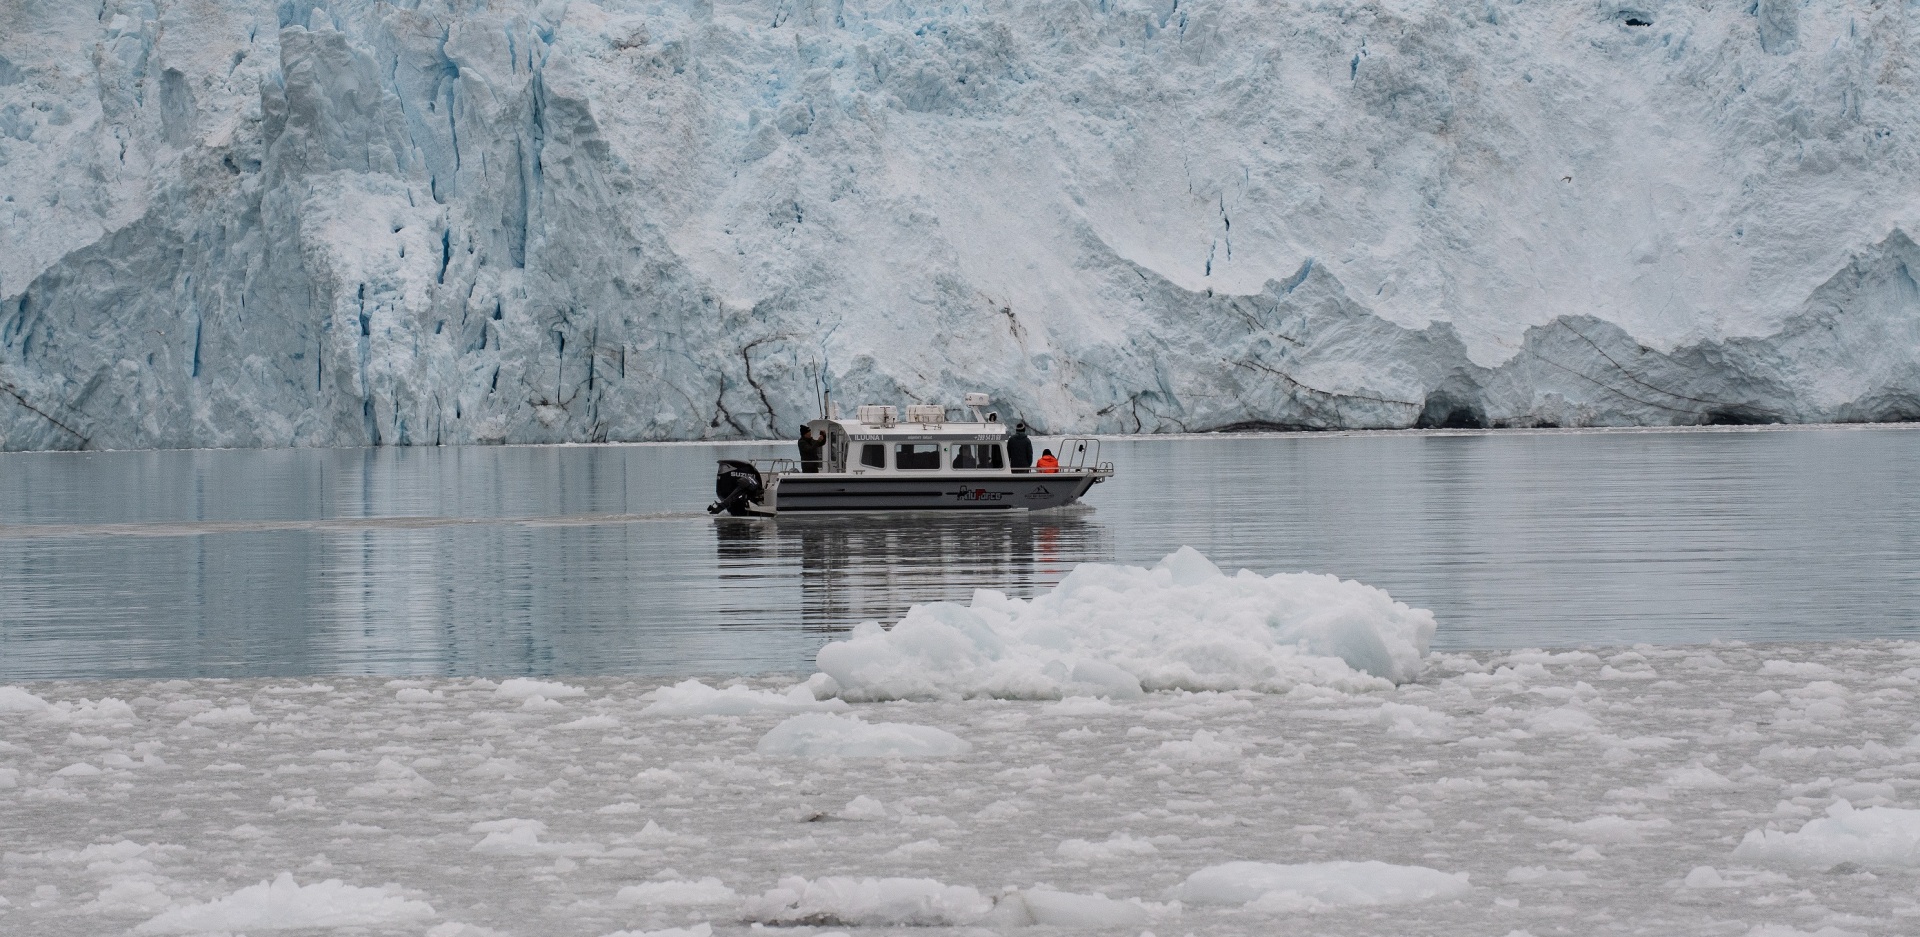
x: 255, y: 223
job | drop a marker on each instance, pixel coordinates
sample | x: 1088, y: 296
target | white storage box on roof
x: 877, y: 415
x: 929, y: 413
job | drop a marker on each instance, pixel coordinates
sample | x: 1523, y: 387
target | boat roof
x: 902, y: 431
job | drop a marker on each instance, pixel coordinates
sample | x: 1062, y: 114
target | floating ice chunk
x: 1205, y: 746
x: 586, y: 723
x: 1081, y: 706
x: 457, y: 929
x: 1541, y: 875
x: 821, y: 735
x: 511, y: 836
x: 694, y: 698
x: 1876, y: 836
x: 129, y: 896
x: 237, y: 714
x: 540, y: 704
x: 414, y: 694
x: 1783, y: 930
x: 677, y: 894
x: 1117, y: 845
x: 517, y: 837
x: 863, y: 808
x: 654, y: 834
x: 1566, y: 720
x: 1704, y: 876
x: 1312, y: 886
x: 108, y: 711
x: 77, y: 770
x: 1698, y: 777
x: 1065, y: 909
x: 13, y: 699
x: 1111, y: 631
x: 702, y: 929
x: 868, y: 902
x: 9, y: 777
x: 284, y: 904
x: 523, y: 688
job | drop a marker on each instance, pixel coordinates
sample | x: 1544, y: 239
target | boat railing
x: 1079, y: 453
x: 776, y: 466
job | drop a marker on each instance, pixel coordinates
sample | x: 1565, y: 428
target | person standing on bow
x: 1019, y: 448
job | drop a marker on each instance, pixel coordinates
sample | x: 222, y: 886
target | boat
x: 929, y: 459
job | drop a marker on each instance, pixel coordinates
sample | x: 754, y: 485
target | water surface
x: 599, y: 559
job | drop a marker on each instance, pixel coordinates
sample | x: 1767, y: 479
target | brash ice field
x: 1329, y: 778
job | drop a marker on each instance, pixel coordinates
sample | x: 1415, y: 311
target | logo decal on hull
x: 1039, y: 491
x: 979, y: 494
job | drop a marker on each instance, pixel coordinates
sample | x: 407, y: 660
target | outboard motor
x: 737, y: 484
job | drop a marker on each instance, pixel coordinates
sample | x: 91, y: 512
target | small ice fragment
x: 1205, y: 746
x: 522, y: 688
x: 1117, y: 845
x: 822, y: 735
x: 676, y: 894
x: 1704, y: 876
x: 868, y: 902
x: 1264, y: 886
x: 702, y: 929
x: 694, y: 698
x: 1541, y: 875
x: 863, y: 808
x: 13, y: 699
x: 540, y: 704
x: 1045, y: 906
x: 1876, y: 836
x: 284, y: 904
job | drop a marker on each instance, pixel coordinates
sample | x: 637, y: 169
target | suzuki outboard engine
x: 737, y: 484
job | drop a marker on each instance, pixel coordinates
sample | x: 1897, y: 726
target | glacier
x: 241, y: 223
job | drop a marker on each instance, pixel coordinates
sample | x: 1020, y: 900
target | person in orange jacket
x: 1047, y: 463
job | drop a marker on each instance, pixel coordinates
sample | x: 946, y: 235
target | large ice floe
x: 1116, y: 631
x: 365, y: 222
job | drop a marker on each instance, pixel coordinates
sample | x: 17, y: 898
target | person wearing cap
x: 1019, y: 448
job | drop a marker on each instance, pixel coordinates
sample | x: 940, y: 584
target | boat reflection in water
x: 855, y: 568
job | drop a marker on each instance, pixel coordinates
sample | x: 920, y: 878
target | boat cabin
x: 877, y: 441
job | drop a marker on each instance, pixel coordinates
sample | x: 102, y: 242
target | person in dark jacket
x: 1019, y: 448
x: 810, y: 450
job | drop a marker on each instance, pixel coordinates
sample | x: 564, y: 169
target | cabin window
x: 916, y: 456
x: 873, y: 455
x: 977, y: 456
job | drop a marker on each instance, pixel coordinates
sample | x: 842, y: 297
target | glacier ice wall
x: 346, y: 222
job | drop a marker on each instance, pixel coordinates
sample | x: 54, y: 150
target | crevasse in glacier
x: 347, y: 222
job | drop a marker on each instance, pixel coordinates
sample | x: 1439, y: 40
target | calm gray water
x: 599, y: 559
